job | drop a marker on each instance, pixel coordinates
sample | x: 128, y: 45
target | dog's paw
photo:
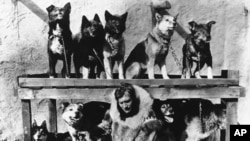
x: 197, y: 75
x: 51, y: 77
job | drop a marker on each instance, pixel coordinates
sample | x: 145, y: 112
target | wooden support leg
x: 231, y: 115
x: 52, y: 116
x: 26, y: 113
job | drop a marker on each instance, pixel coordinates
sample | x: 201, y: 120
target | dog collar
x: 162, y: 41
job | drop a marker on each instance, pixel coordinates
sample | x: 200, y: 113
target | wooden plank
x: 26, y: 114
x: 52, y: 116
x: 232, y: 105
x: 61, y: 82
x: 231, y: 74
x: 103, y: 94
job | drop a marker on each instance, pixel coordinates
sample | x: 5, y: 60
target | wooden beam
x: 26, y: 114
x: 103, y: 94
x: 232, y: 105
x: 61, y: 82
x: 52, y: 116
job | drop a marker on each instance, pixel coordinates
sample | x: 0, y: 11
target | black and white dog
x: 59, y: 39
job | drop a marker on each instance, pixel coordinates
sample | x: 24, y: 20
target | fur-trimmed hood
x: 145, y: 107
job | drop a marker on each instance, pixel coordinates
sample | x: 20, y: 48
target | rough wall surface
x: 23, y: 39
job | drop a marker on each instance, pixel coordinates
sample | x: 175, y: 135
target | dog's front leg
x: 52, y: 65
x: 150, y: 68
x: 163, y: 67
x: 209, y: 72
x: 107, y: 66
x: 85, y: 72
x: 209, y: 68
x: 120, y: 69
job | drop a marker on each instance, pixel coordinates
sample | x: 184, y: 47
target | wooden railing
x: 224, y: 87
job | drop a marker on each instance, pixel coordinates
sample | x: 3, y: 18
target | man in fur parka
x: 131, y: 117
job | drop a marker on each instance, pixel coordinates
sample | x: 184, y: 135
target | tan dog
x: 153, y: 50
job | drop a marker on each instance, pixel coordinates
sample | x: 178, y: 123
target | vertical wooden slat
x: 26, y: 113
x: 232, y: 105
x: 52, y: 115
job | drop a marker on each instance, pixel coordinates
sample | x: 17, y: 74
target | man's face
x: 125, y: 103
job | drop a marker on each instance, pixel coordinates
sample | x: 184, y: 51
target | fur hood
x: 145, y: 107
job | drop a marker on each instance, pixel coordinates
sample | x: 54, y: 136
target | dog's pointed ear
x: 67, y: 7
x: 64, y: 105
x: 192, y: 25
x: 158, y: 16
x: 34, y: 124
x: 81, y: 105
x: 211, y: 23
x: 50, y: 8
x: 107, y: 15
x: 97, y: 18
x: 85, y: 21
x: 124, y: 16
x: 44, y: 124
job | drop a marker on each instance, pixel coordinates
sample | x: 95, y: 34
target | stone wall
x: 23, y: 39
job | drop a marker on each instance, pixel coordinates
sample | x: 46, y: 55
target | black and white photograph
x: 124, y: 70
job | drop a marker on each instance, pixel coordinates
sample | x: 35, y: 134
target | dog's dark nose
x: 77, y: 115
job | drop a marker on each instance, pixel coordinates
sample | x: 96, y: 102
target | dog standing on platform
x: 197, y: 50
x: 114, y: 47
x: 59, y: 39
x: 153, y: 50
x: 88, y: 48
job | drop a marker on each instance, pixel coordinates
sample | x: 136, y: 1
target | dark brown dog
x: 152, y: 51
x: 114, y: 47
x: 197, y: 50
x: 59, y: 39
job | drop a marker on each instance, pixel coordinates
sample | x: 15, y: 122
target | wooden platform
x: 224, y: 87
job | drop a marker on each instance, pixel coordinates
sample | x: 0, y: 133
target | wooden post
x: 231, y: 104
x: 231, y: 74
x: 52, y: 115
x: 26, y: 113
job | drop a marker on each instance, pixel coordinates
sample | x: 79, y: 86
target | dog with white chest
x: 59, y: 39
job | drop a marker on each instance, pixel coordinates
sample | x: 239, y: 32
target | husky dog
x: 59, y: 39
x: 197, y: 50
x: 88, y: 49
x: 153, y: 50
x: 114, y: 48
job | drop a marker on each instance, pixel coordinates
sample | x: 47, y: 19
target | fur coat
x: 141, y: 127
